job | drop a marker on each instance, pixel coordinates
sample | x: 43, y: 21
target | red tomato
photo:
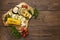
x: 21, y: 29
x: 26, y: 30
x: 24, y: 6
x: 24, y: 35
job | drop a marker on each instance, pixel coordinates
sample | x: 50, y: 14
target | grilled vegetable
x: 13, y: 21
x: 15, y: 10
x: 30, y: 12
x: 24, y: 6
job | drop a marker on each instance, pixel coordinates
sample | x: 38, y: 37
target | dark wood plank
x: 40, y: 4
x: 48, y: 23
x: 54, y: 5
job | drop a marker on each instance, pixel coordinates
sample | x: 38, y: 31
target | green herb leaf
x: 35, y: 13
x: 15, y: 32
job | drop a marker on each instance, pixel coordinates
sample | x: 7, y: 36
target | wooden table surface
x: 45, y: 27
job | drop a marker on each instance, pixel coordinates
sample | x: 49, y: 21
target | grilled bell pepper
x: 13, y: 21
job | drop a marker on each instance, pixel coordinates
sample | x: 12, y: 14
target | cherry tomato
x: 26, y: 30
x: 24, y: 35
x: 21, y: 29
x: 25, y: 6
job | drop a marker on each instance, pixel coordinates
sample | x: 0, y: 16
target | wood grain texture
x: 54, y: 5
x: 45, y: 27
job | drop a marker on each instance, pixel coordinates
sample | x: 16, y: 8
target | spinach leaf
x: 15, y: 32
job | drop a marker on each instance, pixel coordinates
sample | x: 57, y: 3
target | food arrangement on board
x: 18, y: 18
